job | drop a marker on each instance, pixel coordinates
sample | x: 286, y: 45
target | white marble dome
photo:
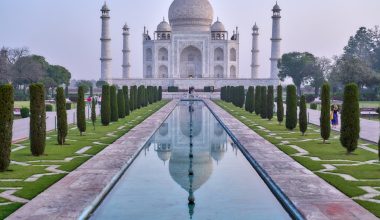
x: 191, y: 15
x: 218, y: 27
x: 164, y: 26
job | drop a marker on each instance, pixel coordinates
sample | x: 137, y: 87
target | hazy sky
x: 67, y: 32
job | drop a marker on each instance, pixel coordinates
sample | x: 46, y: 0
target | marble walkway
x: 76, y: 192
x: 313, y: 197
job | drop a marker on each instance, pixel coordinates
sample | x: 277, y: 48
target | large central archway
x: 191, y: 63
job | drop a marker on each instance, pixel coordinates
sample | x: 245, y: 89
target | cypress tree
x: 6, y: 125
x: 291, y: 107
x: 131, y: 99
x: 303, y: 115
x: 126, y: 100
x: 258, y: 100
x: 93, y: 112
x: 325, y: 112
x: 270, y: 102
x: 121, y: 103
x: 263, y: 109
x: 114, y: 106
x: 62, y: 126
x: 159, y: 93
x: 91, y: 91
x: 280, y: 105
x: 350, y: 128
x: 106, y: 105
x: 81, y: 111
x: 248, y: 100
x: 242, y: 96
x: 37, y: 119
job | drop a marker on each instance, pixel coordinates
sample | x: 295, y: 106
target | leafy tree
x: 106, y: 105
x: 93, y: 112
x: 296, y: 65
x: 270, y: 102
x: 101, y: 83
x: 126, y: 100
x: 114, y: 106
x: 291, y: 107
x: 350, y: 128
x: 25, y: 71
x: 81, y: 111
x: 361, y: 45
x: 263, y: 108
x: 37, y: 119
x: 325, y: 113
x: 249, y: 103
x: 121, y: 103
x: 280, y: 105
x: 62, y: 126
x: 319, y: 71
x: 303, y: 115
x: 5, y: 75
x: 258, y: 100
x: 6, y: 125
x: 86, y: 84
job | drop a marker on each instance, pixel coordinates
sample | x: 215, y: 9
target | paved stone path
x: 69, y: 197
x: 369, y: 130
x: 315, y: 198
x: 21, y: 126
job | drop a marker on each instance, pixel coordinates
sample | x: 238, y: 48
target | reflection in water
x: 191, y: 151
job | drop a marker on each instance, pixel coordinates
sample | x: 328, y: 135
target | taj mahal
x: 191, y: 49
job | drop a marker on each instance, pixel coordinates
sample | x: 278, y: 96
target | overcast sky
x: 67, y: 32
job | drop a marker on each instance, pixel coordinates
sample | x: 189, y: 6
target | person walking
x: 334, y: 116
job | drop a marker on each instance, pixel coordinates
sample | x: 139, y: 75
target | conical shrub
x: 270, y: 102
x: 263, y: 101
x: 106, y: 105
x: 258, y: 100
x: 303, y: 115
x: 114, y: 106
x: 325, y: 112
x: 6, y: 125
x: 291, y: 107
x: 121, y: 103
x: 280, y: 105
x: 126, y: 100
x: 81, y: 111
x: 37, y: 119
x: 62, y: 126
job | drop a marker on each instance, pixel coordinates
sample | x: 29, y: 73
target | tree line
x: 115, y: 104
x: 260, y: 100
x: 359, y: 64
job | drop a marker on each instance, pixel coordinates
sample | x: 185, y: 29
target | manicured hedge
x: 291, y: 107
x: 121, y: 103
x: 126, y: 100
x: 93, y: 112
x: 173, y: 89
x: 62, y: 126
x: 37, y: 119
x: 250, y: 99
x: 263, y: 109
x: 6, y: 125
x: 114, y: 108
x: 258, y: 100
x: 159, y: 93
x: 25, y: 112
x: 280, y: 105
x: 350, y: 128
x: 270, y: 102
x: 81, y: 111
x: 325, y: 112
x: 303, y: 115
x: 105, y: 110
x: 49, y: 107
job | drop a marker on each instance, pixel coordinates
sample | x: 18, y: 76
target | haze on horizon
x: 67, y: 32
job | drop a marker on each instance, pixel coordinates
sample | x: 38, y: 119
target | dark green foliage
x: 241, y: 95
x: 37, y: 119
x: 68, y: 106
x: 25, y: 112
x: 126, y: 100
x: 303, y: 115
x: 208, y: 89
x: 131, y: 99
x: 91, y: 91
x: 6, y: 125
x: 314, y: 106
x: 309, y: 98
x: 114, y: 108
x: 250, y: 99
x: 93, y: 112
x: 349, y: 131
x: 159, y: 93
x: 62, y: 126
x: 172, y: 89
x: 325, y: 113
x: 291, y: 107
x: 121, y: 103
x: 270, y: 102
x: 238, y: 96
x: 49, y: 108
x: 263, y: 101
x: 258, y: 100
x: 81, y: 111
x: 105, y: 110
x: 280, y: 105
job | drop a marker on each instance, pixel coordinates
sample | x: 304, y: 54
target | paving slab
x: 313, y: 197
x: 69, y: 197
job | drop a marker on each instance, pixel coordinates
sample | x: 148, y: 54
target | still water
x: 190, y: 169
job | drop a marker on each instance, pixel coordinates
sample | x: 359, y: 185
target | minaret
x: 126, y: 66
x: 105, y: 45
x: 276, y: 42
x: 255, y: 53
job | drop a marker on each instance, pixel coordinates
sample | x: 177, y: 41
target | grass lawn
x: 362, y: 166
x: 20, y: 173
x: 20, y: 104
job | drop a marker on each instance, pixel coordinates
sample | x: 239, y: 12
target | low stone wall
x: 198, y: 83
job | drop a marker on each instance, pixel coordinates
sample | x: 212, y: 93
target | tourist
x: 334, y: 116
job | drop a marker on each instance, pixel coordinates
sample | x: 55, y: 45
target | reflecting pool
x: 190, y: 169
